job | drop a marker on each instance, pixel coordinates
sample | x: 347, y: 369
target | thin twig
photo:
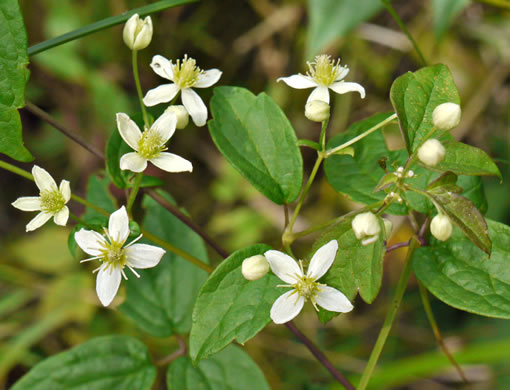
x: 320, y: 356
x: 397, y: 246
x: 176, y: 354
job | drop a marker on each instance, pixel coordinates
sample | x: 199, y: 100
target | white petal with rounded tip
x: 107, y: 284
x: 322, y: 260
x: 165, y: 125
x: 299, y: 81
x: 319, y: 93
x: 43, y: 179
x: 162, y: 67
x: 208, y: 78
x: 195, y: 106
x: 39, y: 220
x: 61, y: 217
x: 343, y: 87
x: 283, y: 266
x: 172, y: 163
x: 118, y: 225
x: 128, y: 130
x: 28, y: 203
x: 286, y: 307
x: 162, y: 94
x: 133, y: 162
x: 65, y: 190
x: 143, y: 255
x: 90, y: 242
x: 333, y: 300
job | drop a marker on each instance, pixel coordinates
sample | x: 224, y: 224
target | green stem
x: 16, y: 170
x: 136, y: 76
x: 92, y: 206
x: 79, y: 220
x: 403, y: 27
x: 390, y: 317
x: 364, y: 134
x: 322, y: 138
x: 134, y: 192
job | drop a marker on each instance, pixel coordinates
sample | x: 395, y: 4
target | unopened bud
x: 137, y: 33
x: 441, y: 227
x: 182, y: 115
x: 446, y: 116
x: 317, y: 110
x: 431, y: 152
x: 366, y: 228
x: 255, y: 267
x: 388, y: 227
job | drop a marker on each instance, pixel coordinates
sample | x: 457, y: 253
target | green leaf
x: 474, y: 191
x: 445, y: 11
x: 103, y: 363
x: 161, y: 301
x: 415, y: 96
x: 256, y: 137
x: 14, y: 76
x: 309, y: 143
x: 357, y: 176
x: 464, y: 159
x: 98, y: 194
x: 446, y: 182
x: 462, y: 276
x: 333, y: 19
x: 230, y: 369
x: 229, y: 307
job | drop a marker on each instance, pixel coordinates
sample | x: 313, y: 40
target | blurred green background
x: 84, y: 83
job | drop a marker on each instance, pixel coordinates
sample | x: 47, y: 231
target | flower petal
x: 165, y: 126
x: 128, y: 130
x: 333, y: 300
x: 65, y: 190
x: 298, y: 81
x: 28, y: 203
x: 319, y: 93
x: 118, y: 225
x: 107, y: 284
x: 162, y: 94
x: 43, y: 179
x: 195, y: 106
x: 172, y: 163
x: 322, y: 260
x: 343, y: 87
x: 90, y: 242
x: 208, y: 78
x: 61, y: 217
x: 39, y: 220
x: 162, y: 67
x: 286, y: 307
x: 283, y: 266
x: 133, y: 162
x: 143, y: 255
x: 343, y: 73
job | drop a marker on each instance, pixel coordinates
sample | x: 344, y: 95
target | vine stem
x: 134, y: 192
x: 174, y: 355
x: 319, y: 356
x: 390, y: 316
x: 136, y: 76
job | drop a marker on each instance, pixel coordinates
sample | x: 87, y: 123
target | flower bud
x: 388, y: 227
x: 182, y: 115
x: 431, y: 152
x: 137, y: 33
x: 441, y: 227
x: 446, y: 116
x: 255, y: 267
x: 317, y: 110
x: 366, y: 228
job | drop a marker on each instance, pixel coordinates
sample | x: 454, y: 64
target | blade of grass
x: 104, y: 24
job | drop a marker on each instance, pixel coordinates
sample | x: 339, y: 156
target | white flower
x: 184, y: 75
x: 150, y: 145
x: 305, y: 286
x: 446, y: 116
x: 114, y: 255
x: 51, y: 201
x: 181, y: 114
x: 366, y: 228
x: 255, y: 267
x: 431, y: 153
x: 441, y: 227
x: 317, y: 110
x: 322, y: 74
x: 137, y: 33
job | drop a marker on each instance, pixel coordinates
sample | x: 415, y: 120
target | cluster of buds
x: 401, y: 174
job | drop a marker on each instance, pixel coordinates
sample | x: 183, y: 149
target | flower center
x: 307, y: 287
x: 113, y: 254
x: 52, y: 201
x: 186, y: 72
x: 324, y: 70
x: 151, y: 144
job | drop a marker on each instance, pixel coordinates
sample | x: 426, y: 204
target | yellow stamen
x: 52, y: 201
x: 186, y: 72
x: 324, y: 70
